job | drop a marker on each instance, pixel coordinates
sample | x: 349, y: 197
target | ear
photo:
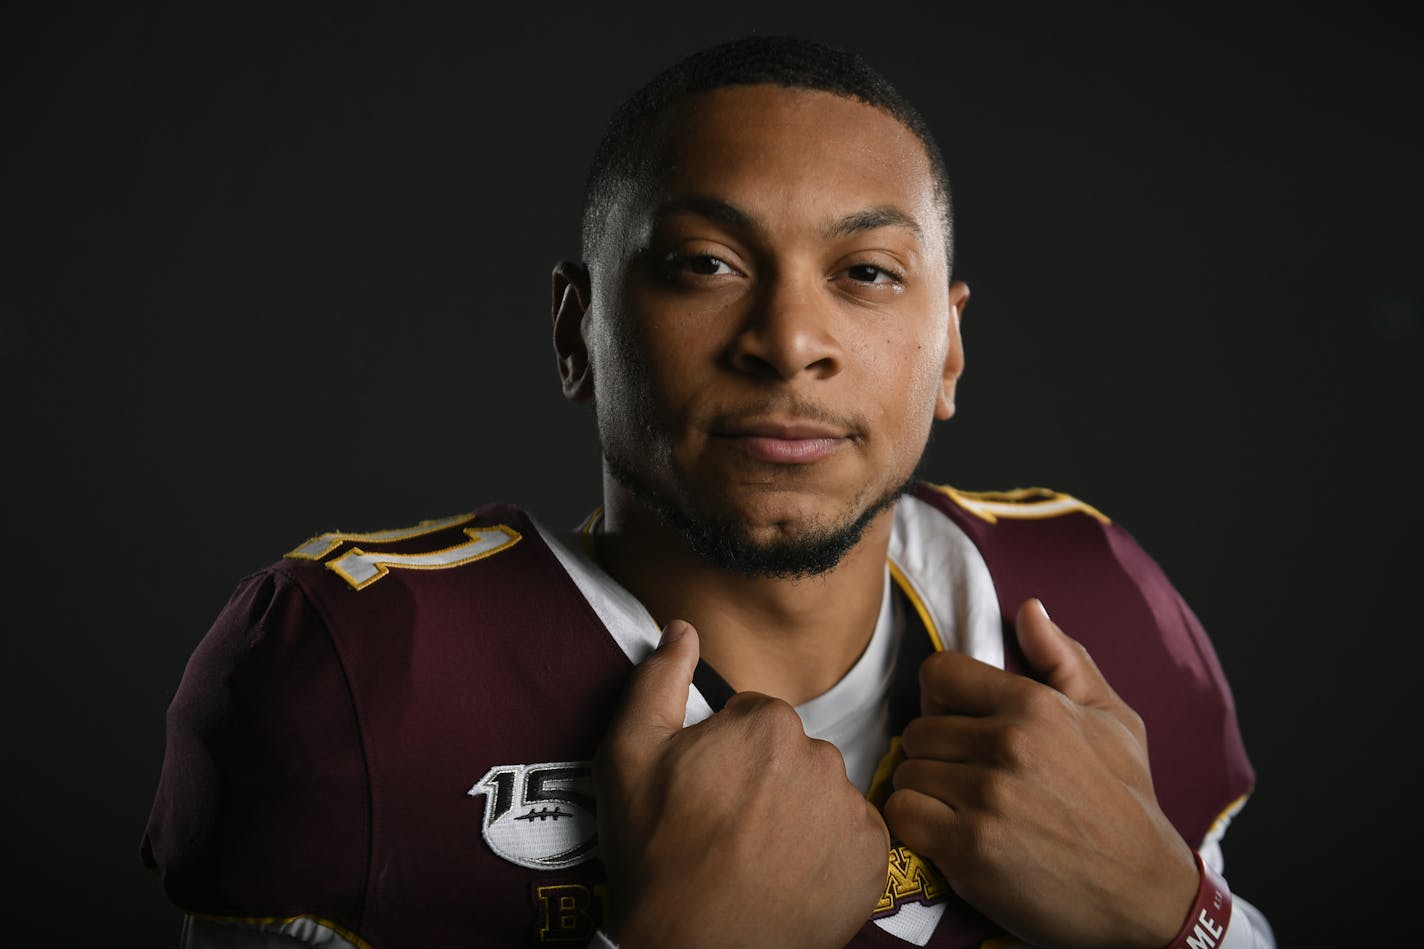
x: 954, y: 356
x: 570, y: 304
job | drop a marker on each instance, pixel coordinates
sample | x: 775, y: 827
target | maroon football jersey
x: 390, y: 733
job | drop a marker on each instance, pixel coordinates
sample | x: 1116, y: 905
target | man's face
x: 771, y: 331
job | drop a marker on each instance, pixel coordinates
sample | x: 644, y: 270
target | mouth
x: 785, y: 442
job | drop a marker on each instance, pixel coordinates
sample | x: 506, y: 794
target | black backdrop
x: 273, y: 271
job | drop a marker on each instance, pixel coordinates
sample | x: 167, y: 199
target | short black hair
x: 626, y: 151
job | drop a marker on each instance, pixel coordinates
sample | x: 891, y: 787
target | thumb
x: 656, y: 697
x: 1061, y: 661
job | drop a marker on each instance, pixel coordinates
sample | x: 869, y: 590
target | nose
x: 788, y: 330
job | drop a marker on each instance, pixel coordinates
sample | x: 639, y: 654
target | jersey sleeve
x: 262, y: 808
x: 1248, y: 929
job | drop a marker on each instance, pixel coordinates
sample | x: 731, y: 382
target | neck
x: 790, y: 638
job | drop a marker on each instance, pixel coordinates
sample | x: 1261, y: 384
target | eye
x: 873, y: 274
x: 866, y: 273
x: 696, y: 266
x: 704, y: 265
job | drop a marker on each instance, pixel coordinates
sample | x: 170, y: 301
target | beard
x: 723, y: 541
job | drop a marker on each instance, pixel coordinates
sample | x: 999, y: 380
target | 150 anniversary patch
x: 540, y: 816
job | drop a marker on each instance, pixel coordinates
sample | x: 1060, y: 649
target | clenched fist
x: 736, y: 831
x: 1035, y: 800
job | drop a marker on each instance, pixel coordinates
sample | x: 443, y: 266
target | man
x: 774, y: 692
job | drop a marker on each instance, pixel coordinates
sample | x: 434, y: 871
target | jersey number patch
x: 361, y: 567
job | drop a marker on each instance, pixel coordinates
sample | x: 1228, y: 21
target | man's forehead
x: 814, y: 152
x: 758, y: 120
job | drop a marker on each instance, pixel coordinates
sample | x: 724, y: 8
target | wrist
x: 1210, y: 913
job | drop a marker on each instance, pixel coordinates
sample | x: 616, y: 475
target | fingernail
x: 1042, y: 609
x: 672, y: 632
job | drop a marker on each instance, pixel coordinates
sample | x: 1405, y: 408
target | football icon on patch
x: 540, y: 816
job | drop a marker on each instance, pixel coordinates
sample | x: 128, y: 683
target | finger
x: 763, y: 721
x: 1060, y: 660
x: 947, y: 737
x: 655, y: 700
x: 954, y: 783
x: 922, y: 822
x: 952, y: 683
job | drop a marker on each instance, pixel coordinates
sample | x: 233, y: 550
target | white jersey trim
x: 628, y: 621
x: 945, y: 573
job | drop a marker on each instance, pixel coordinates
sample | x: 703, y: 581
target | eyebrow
x: 715, y: 209
x: 872, y: 219
x: 727, y: 213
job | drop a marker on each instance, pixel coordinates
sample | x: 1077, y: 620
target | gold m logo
x: 909, y: 878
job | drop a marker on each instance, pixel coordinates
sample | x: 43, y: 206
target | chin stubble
x: 723, y: 542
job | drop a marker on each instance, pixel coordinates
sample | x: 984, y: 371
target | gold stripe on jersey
x: 903, y: 582
x: 586, y: 531
x: 323, y: 544
x: 291, y: 927
x: 879, y: 788
x: 1019, y: 504
x: 1218, y: 826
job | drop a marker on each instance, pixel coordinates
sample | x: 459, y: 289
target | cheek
x: 635, y: 387
x: 909, y: 401
x: 926, y: 379
x: 619, y: 384
x: 917, y: 374
x: 663, y: 368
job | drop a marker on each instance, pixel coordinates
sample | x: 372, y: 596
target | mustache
x: 788, y: 408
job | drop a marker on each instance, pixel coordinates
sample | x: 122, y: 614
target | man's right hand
x: 736, y: 831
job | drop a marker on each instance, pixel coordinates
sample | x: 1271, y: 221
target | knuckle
x: 1014, y: 744
x: 917, y: 736
x: 1081, y: 653
x: 1042, y: 701
x: 910, y: 821
x: 741, y: 701
x: 875, y: 822
x: 780, y: 716
x: 900, y: 811
x: 1135, y: 723
x: 748, y: 703
x: 907, y: 774
x: 935, y: 667
x: 826, y: 755
x: 996, y: 793
x: 982, y: 840
x: 769, y: 718
x: 618, y: 753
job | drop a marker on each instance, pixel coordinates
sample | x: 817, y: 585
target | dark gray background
x: 271, y: 272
